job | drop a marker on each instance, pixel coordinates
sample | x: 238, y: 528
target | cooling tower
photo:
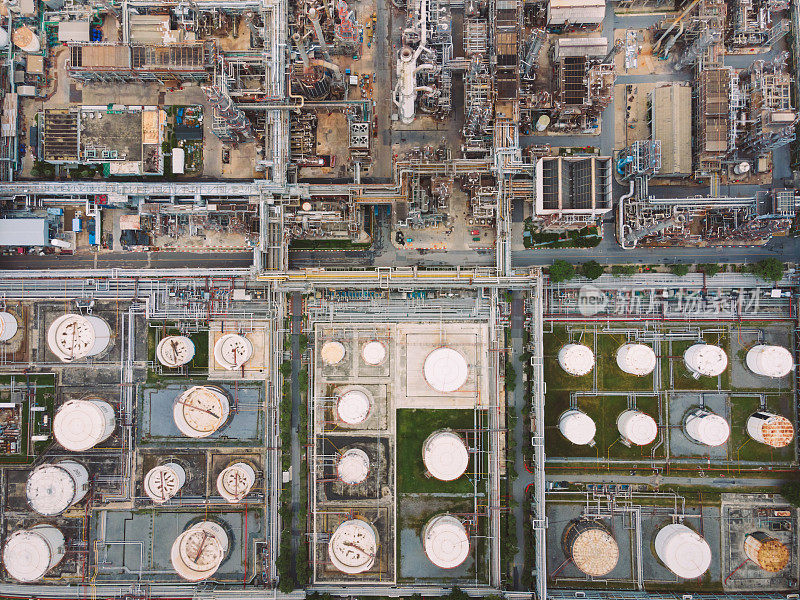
x: 578, y: 427
x: 769, y: 554
x: 198, y: 552
x: 353, y: 405
x: 374, y: 352
x: 236, y: 481
x: 636, y: 359
x: 72, y: 337
x: 82, y: 424
x: 332, y: 353
x: 52, y: 489
x: 232, y: 351
x: 705, y: 359
x: 445, y: 541
x: 591, y: 547
x: 353, y: 546
x: 770, y: 429
x: 201, y: 410
x: 30, y: 553
x: 175, y: 351
x: 636, y: 427
x: 164, y: 481
x: 353, y: 466
x: 684, y: 552
x: 445, y: 455
x: 445, y: 370
x: 707, y: 428
x: 576, y: 359
x: 8, y: 325
x: 769, y: 361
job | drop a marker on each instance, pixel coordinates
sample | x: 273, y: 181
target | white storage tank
x: 636, y: 359
x: 683, y: 551
x: 576, y: 359
x: 591, y: 547
x: 374, y: 353
x: 201, y: 410
x: 82, y: 424
x: 26, y: 39
x: 445, y: 455
x: 163, y: 482
x: 175, y: 351
x: 198, y: 552
x: 705, y: 359
x: 770, y: 429
x: 353, y: 546
x: 53, y: 488
x: 578, y: 427
x: 770, y: 361
x: 768, y: 553
x: 707, y: 428
x: 445, y: 369
x: 353, y: 405
x: 30, y: 553
x: 445, y: 541
x: 8, y: 325
x: 232, y: 351
x: 236, y: 481
x: 353, y: 466
x: 637, y: 428
x: 4, y: 38
x: 72, y: 336
x: 332, y: 353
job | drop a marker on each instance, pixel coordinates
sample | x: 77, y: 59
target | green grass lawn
x: 413, y: 427
x: 610, y: 376
x: 198, y: 364
x: 743, y: 447
x: 555, y: 376
x: 682, y: 378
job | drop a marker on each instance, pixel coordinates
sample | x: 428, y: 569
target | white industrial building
x: 562, y: 13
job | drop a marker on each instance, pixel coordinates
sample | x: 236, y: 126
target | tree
x: 769, y: 269
x: 457, y: 594
x: 286, y: 368
x: 617, y: 270
x: 710, y: 269
x: 791, y: 491
x: 561, y: 270
x: 592, y: 269
x: 679, y: 270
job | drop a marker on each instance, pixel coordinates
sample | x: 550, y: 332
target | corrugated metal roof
x: 575, y: 11
x: 24, y: 232
x: 672, y: 124
x: 73, y: 31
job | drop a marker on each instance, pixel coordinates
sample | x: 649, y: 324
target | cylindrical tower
x: 332, y: 353
x: 353, y: 546
x: 769, y: 361
x: 374, y: 352
x: 82, y: 424
x: 576, y: 359
x: 445, y: 455
x: 198, y: 552
x: 445, y: 541
x: 769, y: 554
x: 636, y: 427
x: 578, y: 427
x: 52, y: 489
x: 236, y: 481
x: 175, y: 351
x: 707, y: 428
x: 353, y: 466
x: 30, y: 553
x: 591, y: 547
x: 8, y: 323
x: 162, y: 482
x: 445, y: 369
x: 770, y: 429
x: 683, y: 551
x: 705, y: 359
x: 201, y: 410
x: 636, y: 359
x: 72, y: 337
x: 232, y: 351
x: 353, y: 405
x: 26, y: 39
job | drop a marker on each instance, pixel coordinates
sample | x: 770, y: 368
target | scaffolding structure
x: 640, y: 159
x: 713, y: 90
x: 753, y: 25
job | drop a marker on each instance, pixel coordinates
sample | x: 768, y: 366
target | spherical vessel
x: 707, y: 428
x: 8, y: 326
x: 162, y: 482
x: 30, y: 553
x: 637, y: 427
x: 82, y: 424
x: 578, y: 427
x: 175, y: 351
x: 201, y: 410
x: 374, y: 352
x: 198, y: 552
x: 353, y: 466
x: 705, y: 359
x: 445, y: 370
x: 591, y: 547
x: 353, y: 546
x: 353, y: 406
x: 636, y: 359
x: 232, y: 351
x: 52, y: 489
x: 26, y: 40
x: 236, y: 481
x: 445, y: 541
x: 576, y: 359
x: 683, y: 551
x: 770, y: 429
x: 72, y: 337
x: 445, y: 455
x: 332, y: 353
x: 769, y: 361
x: 769, y: 554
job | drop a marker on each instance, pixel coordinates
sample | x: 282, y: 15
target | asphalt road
x: 130, y: 260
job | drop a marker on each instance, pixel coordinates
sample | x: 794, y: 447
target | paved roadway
x: 661, y: 480
x: 129, y: 260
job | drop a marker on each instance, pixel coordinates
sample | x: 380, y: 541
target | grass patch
x: 43, y: 386
x: 743, y: 447
x: 555, y: 377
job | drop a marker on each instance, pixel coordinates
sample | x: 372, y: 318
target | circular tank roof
x: 71, y: 337
x: 353, y: 466
x: 232, y: 351
x: 8, y: 325
x: 50, y: 490
x: 445, y: 369
x: 578, y: 427
x: 374, y: 352
x: 445, y: 541
x: 445, y: 455
x: 777, y: 431
x: 198, y: 551
x: 353, y: 406
x: 353, y: 546
x: 595, y: 552
x: 576, y: 359
x: 771, y: 555
x: 175, y: 350
x: 236, y: 481
x: 82, y: 424
x: 332, y: 353
x: 706, y: 359
x: 164, y: 481
x: 770, y: 361
x: 636, y: 359
x: 200, y: 411
x: 683, y: 551
x: 637, y: 427
x: 709, y: 429
x: 27, y: 556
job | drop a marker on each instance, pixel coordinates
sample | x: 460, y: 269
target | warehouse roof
x: 575, y: 12
x: 24, y: 232
x: 672, y: 124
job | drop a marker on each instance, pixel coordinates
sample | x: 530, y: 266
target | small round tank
x: 445, y: 369
x: 741, y: 168
x: 445, y: 541
x: 374, y: 352
x: 82, y: 424
x: 353, y: 405
x: 163, y: 482
x: 30, y: 553
x: 332, y: 353
x: 353, y: 546
x: 198, y: 552
x: 769, y: 554
x: 683, y: 551
x: 705, y: 359
x: 576, y: 359
x: 72, y: 336
x: 26, y: 39
x: 201, y: 410
x: 445, y: 455
x: 636, y: 427
x: 232, y: 351
x: 770, y: 429
x: 353, y: 466
x: 769, y: 361
x: 53, y: 488
x: 707, y: 428
x: 636, y: 359
x: 175, y: 351
x: 591, y: 547
x: 8, y: 322
x: 578, y: 427
x: 236, y: 481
